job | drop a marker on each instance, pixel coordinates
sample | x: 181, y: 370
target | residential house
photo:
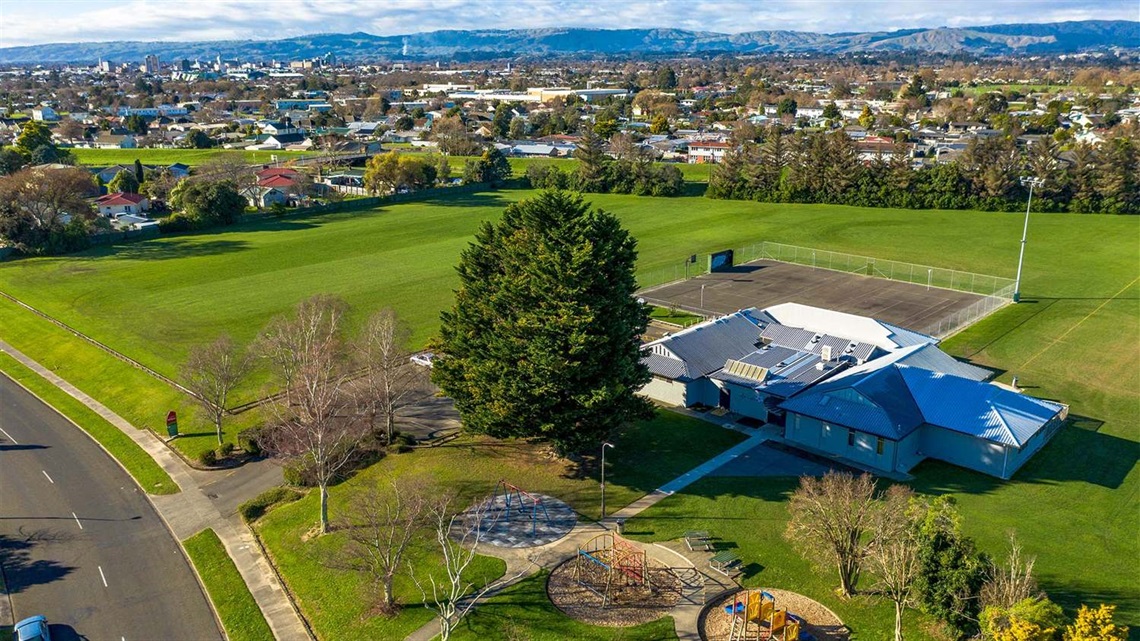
x: 117, y: 203
x: 114, y: 141
x: 45, y: 114
x: 707, y: 151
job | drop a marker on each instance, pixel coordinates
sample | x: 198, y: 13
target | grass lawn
x: 675, y: 316
x: 240, y: 615
x: 523, y: 611
x: 337, y: 602
x: 150, y: 477
x: 192, y: 157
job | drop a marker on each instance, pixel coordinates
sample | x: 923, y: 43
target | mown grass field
x: 1074, y: 338
x: 191, y: 157
x: 337, y: 602
x: 241, y: 618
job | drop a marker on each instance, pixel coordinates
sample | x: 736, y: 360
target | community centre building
x: 852, y: 388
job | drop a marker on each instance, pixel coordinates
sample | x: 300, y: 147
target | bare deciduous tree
x: 45, y: 195
x: 311, y: 422
x: 391, y: 383
x: 453, y: 596
x: 893, y: 553
x: 383, y: 518
x: 1013, y: 582
x: 211, y: 372
x: 830, y: 518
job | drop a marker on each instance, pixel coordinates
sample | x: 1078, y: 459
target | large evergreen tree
x: 543, y: 338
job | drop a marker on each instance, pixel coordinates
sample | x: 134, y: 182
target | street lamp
x: 1032, y: 182
x: 702, y: 297
x: 605, y: 444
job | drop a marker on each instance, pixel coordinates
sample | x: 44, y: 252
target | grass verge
x: 240, y: 615
x: 146, y: 472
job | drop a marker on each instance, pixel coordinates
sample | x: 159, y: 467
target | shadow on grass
x: 475, y: 199
x: 169, y: 249
x: 21, y: 571
x: 1077, y: 453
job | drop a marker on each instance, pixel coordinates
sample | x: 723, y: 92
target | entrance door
x: 725, y: 398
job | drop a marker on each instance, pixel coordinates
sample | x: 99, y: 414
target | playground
x: 769, y: 614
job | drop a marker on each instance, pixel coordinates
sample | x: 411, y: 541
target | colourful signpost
x: 172, y: 423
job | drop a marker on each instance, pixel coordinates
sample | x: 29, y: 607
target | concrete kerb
x: 189, y: 512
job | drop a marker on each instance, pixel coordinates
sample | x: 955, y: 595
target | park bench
x: 725, y: 562
x: 698, y: 541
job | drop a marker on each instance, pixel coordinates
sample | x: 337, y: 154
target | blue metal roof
x: 978, y: 409
x: 891, y: 400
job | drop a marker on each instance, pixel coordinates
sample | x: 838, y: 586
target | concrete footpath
x: 207, y: 500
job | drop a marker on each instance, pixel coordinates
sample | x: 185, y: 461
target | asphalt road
x: 80, y: 543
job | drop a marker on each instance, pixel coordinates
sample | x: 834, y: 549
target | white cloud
x: 27, y: 22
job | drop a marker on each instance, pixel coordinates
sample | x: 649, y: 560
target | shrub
x: 298, y: 476
x: 247, y: 441
x: 209, y: 457
x: 256, y: 507
x: 225, y: 449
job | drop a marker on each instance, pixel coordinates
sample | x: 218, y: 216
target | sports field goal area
x: 932, y: 300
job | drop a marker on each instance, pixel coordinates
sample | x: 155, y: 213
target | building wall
x: 908, y: 452
x: 834, y: 440
x: 664, y: 390
x: 964, y: 450
x: 1018, y: 457
x: 746, y: 401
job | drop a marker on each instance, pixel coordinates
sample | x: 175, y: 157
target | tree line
x: 826, y: 168
x: 630, y: 172
x: 914, y: 548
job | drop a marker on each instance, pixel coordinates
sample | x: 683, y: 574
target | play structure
x: 608, y: 562
x: 755, y: 616
x: 512, y: 517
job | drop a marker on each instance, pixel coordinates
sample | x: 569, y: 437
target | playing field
x: 1075, y: 338
x: 763, y: 283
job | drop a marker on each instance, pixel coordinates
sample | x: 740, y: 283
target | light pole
x: 702, y: 297
x: 605, y: 444
x: 1032, y: 182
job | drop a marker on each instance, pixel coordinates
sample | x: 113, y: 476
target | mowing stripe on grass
x: 232, y: 599
x: 1080, y: 322
x: 134, y: 459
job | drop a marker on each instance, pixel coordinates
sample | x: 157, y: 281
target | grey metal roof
x: 809, y: 341
x: 789, y: 370
x: 706, y: 347
x: 665, y: 366
x: 979, y: 409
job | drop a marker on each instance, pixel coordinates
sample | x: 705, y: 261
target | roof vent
x: 825, y: 354
x: 815, y: 339
x: 819, y: 366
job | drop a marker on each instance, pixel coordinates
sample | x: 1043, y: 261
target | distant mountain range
x: 1019, y: 39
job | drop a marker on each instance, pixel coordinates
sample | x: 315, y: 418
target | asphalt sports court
x: 763, y: 283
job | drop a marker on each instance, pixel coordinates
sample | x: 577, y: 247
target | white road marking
x: 102, y: 576
x: 14, y: 441
x: 77, y: 521
x: 48, y: 477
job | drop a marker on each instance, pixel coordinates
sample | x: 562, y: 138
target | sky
x: 25, y: 22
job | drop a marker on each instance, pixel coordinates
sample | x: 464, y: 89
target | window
x: 850, y: 438
x: 879, y: 445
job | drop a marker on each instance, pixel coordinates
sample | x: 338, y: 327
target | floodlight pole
x: 702, y: 298
x: 1032, y: 182
x: 605, y: 444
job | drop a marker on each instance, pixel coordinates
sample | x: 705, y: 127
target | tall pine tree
x: 543, y: 338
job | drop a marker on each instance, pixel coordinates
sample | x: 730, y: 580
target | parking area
x: 764, y: 283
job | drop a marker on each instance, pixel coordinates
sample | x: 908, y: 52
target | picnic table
x: 725, y: 562
x: 698, y: 540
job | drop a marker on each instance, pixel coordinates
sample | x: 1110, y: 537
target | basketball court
x: 763, y: 283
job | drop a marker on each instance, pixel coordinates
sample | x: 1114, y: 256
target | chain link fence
x: 995, y: 290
